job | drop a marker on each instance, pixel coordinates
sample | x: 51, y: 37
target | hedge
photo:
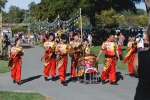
x: 18, y: 29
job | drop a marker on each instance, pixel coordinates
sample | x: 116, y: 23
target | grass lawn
x: 21, y: 96
x: 95, y: 50
x: 39, y: 44
x: 4, y: 66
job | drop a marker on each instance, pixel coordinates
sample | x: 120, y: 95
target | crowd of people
x: 57, y: 50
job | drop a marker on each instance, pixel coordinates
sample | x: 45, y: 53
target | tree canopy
x: 66, y: 8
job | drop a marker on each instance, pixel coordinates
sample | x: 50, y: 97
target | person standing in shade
x: 141, y: 68
x: 15, y: 61
x: 110, y: 49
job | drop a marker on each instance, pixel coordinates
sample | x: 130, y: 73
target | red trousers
x: 73, y: 67
x: 50, y: 69
x: 130, y: 64
x: 62, y: 69
x: 120, y: 49
x: 109, y: 69
x: 16, y: 73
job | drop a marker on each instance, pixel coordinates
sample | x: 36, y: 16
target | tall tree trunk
x: 147, y: 3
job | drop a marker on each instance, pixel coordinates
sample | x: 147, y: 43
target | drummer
x: 76, y: 45
x: 86, y: 47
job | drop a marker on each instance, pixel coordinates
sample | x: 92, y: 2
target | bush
x: 18, y: 29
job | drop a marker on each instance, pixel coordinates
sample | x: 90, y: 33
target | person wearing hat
x: 111, y: 51
x: 15, y: 61
x: 132, y: 48
x: 62, y: 50
x: 49, y: 64
x: 140, y: 42
x: 76, y: 46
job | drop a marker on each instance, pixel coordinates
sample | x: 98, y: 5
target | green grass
x: 95, y: 50
x: 4, y: 66
x: 39, y: 44
x: 21, y: 96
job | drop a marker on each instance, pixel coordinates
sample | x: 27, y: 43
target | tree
x: 143, y: 20
x: 147, y: 3
x: 2, y: 4
x: 67, y: 8
x: 15, y: 14
x: 109, y: 18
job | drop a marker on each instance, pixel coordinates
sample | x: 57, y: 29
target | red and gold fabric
x: 109, y: 63
x: 15, y: 62
x: 109, y: 48
x: 87, y: 50
x: 62, y: 60
x: 130, y: 56
x: 129, y: 45
x: 49, y: 63
x: 109, y: 69
x: 77, y: 52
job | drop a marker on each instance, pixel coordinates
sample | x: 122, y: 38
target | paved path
x: 33, y: 81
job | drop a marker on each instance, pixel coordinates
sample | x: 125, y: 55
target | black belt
x: 78, y: 53
x: 109, y: 56
x: 65, y: 54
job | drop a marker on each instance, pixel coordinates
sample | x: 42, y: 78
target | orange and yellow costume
x: 109, y: 68
x: 74, y: 58
x: 15, y: 63
x: 62, y: 60
x: 49, y: 64
x: 132, y: 47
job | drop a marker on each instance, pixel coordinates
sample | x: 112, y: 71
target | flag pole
x: 81, y: 25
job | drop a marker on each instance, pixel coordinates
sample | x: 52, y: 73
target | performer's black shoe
x: 103, y: 82
x: 14, y: 81
x: 132, y: 75
x: 46, y: 79
x: 73, y: 79
x: 53, y: 79
x: 64, y: 83
x: 18, y: 83
x: 114, y: 83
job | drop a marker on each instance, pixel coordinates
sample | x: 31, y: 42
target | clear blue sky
x: 23, y: 4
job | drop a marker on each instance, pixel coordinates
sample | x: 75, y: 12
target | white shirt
x: 140, y: 42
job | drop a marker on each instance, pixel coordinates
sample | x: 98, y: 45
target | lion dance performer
x: 49, y: 64
x: 75, y: 52
x: 62, y: 60
x: 15, y: 61
x: 110, y: 49
x: 132, y: 47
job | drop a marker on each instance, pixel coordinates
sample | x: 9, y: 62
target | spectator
x: 140, y: 42
x: 90, y: 40
x: 141, y: 70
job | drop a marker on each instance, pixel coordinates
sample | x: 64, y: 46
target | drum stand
x: 93, y: 78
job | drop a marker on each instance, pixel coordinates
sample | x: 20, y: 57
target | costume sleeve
x: 103, y: 46
x: 44, y: 44
x: 11, y: 50
x: 56, y: 49
x: 116, y: 47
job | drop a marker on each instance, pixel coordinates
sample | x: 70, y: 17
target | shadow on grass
x: 30, y: 79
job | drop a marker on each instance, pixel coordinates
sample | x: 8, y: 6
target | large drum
x: 85, y: 62
x: 87, y: 59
